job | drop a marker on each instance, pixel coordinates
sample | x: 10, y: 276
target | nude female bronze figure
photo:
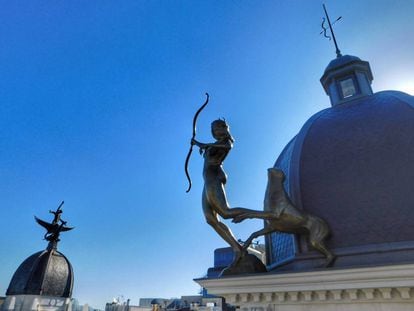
x: 214, y: 199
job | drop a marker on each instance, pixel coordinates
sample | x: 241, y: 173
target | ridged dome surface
x: 352, y: 165
x: 47, y: 273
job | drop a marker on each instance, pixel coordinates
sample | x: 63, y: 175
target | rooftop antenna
x: 338, y: 52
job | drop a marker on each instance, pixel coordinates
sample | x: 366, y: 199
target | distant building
x: 148, y: 302
x: 75, y: 306
x: 118, y: 306
x: 185, y: 303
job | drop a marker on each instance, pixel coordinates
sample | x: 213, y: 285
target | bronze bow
x: 191, y: 148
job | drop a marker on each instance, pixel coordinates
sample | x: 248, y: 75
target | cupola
x: 347, y: 78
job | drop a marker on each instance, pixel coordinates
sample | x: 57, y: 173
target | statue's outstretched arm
x: 204, y: 146
x: 199, y: 144
x: 254, y: 214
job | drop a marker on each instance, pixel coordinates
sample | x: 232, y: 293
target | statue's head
x: 220, y: 130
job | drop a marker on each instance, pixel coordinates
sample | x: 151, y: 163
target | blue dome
x: 352, y: 165
x: 47, y: 273
x: 342, y: 61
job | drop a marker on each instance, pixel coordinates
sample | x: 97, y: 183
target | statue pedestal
x: 247, y: 264
x: 360, y: 289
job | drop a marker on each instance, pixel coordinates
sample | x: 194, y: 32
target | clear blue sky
x: 97, y: 100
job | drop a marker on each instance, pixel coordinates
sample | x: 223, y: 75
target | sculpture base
x: 247, y: 264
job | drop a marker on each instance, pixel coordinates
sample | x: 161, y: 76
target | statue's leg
x: 217, y: 198
x: 318, y: 233
x: 321, y: 247
x: 240, y: 211
x: 253, y: 214
x: 256, y: 234
x: 227, y: 235
x: 213, y: 220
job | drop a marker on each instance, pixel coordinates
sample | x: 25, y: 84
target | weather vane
x: 338, y: 52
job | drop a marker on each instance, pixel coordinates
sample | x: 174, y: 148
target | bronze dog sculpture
x: 281, y: 215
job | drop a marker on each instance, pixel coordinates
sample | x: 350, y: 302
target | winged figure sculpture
x: 54, y: 228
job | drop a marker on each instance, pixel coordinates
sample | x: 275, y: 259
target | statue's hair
x: 222, y: 122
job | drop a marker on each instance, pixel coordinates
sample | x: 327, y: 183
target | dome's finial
x: 55, y: 228
x: 338, y: 52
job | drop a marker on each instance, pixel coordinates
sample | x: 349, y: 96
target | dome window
x: 348, y: 87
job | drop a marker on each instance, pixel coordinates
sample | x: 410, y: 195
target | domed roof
x: 352, y: 165
x: 157, y: 301
x: 47, y: 273
x: 342, y: 61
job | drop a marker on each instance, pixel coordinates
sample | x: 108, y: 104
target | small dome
x: 352, y: 165
x: 341, y: 61
x: 157, y: 301
x: 47, y: 273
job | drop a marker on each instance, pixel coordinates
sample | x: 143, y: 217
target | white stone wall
x: 389, y: 288
x: 34, y: 302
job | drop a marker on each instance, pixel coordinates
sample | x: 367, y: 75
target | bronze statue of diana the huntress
x: 279, y: 212
x: 214, y: 199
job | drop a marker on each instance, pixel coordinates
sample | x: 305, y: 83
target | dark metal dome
x: 157, y: 301
x: 352, y: 165
x: 47, y: 273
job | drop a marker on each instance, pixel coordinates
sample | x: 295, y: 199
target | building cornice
x: 385, y: 283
